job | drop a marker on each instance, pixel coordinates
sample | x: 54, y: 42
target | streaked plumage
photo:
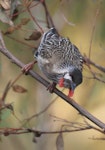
x: 59, y: 59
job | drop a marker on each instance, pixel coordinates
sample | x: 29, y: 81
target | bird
x: 60, y: 60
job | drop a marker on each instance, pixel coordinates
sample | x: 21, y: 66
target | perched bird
x: 60, y: 60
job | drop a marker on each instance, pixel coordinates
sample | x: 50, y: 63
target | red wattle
x: 61, y: 82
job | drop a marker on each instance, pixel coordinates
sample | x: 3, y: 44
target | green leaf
x: 5, y: 114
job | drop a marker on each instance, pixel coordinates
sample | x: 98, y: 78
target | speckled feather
x: 57, y: 55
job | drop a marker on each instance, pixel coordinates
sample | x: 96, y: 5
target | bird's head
x: 71, y: 80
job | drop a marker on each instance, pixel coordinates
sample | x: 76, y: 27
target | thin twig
x: 73, y: 127
x: 16, y: 131
x: 20, y: 41
x: 93, y: 28
x: 34, y: 19
x: 48, y: 17
x: 42, y: 111
x: 89, y: 61
x: 5, y: 91
x: 15, y: 80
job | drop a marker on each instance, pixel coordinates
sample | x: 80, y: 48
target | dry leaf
x: 34, y: 36
x: 19, y: 89
x: 6, y: 4
x: 9, y: 106
x: 10, y: 30
x: 60, y: 142
x: 24, y: 21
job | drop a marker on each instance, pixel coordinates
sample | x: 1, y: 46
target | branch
x: 34, y: 19
x: 36, y: 76
x: 48, y: 17
x: 93, y: 27
x: 88, y: 61
x: 38, y: 133
x: 41, y: 112
x: 71, y: 127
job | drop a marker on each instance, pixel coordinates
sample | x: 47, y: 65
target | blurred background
x: 82, y: 22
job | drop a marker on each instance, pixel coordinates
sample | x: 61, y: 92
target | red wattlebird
x: 60, y: 60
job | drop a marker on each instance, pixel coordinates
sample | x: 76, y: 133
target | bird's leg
x: 51, y: 87
x: 28, y: 67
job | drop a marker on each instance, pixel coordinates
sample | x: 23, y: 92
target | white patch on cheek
x: 67, y: 76
x: 42, y: 60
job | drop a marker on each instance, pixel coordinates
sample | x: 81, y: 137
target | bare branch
x: 48, y: 17
x: 5, y: 92
x: 93, y: 28
x: 34, y: 19
x: 41, y: 112
x: 9, y: 131
x: 89, y: 61
x: 71, y: 127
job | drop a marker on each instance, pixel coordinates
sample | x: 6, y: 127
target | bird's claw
x: 51, y: 87
x: 28, y: 67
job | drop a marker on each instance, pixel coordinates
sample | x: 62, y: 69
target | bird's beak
x: 71, y: 90
x: 70, y: 93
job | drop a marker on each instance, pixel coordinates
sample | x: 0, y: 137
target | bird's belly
x: 47, y: 68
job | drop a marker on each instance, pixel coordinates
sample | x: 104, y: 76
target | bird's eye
x: 36, y: 54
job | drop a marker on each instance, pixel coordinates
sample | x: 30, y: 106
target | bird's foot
x: 51, y: 87
x: 28, y: 67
